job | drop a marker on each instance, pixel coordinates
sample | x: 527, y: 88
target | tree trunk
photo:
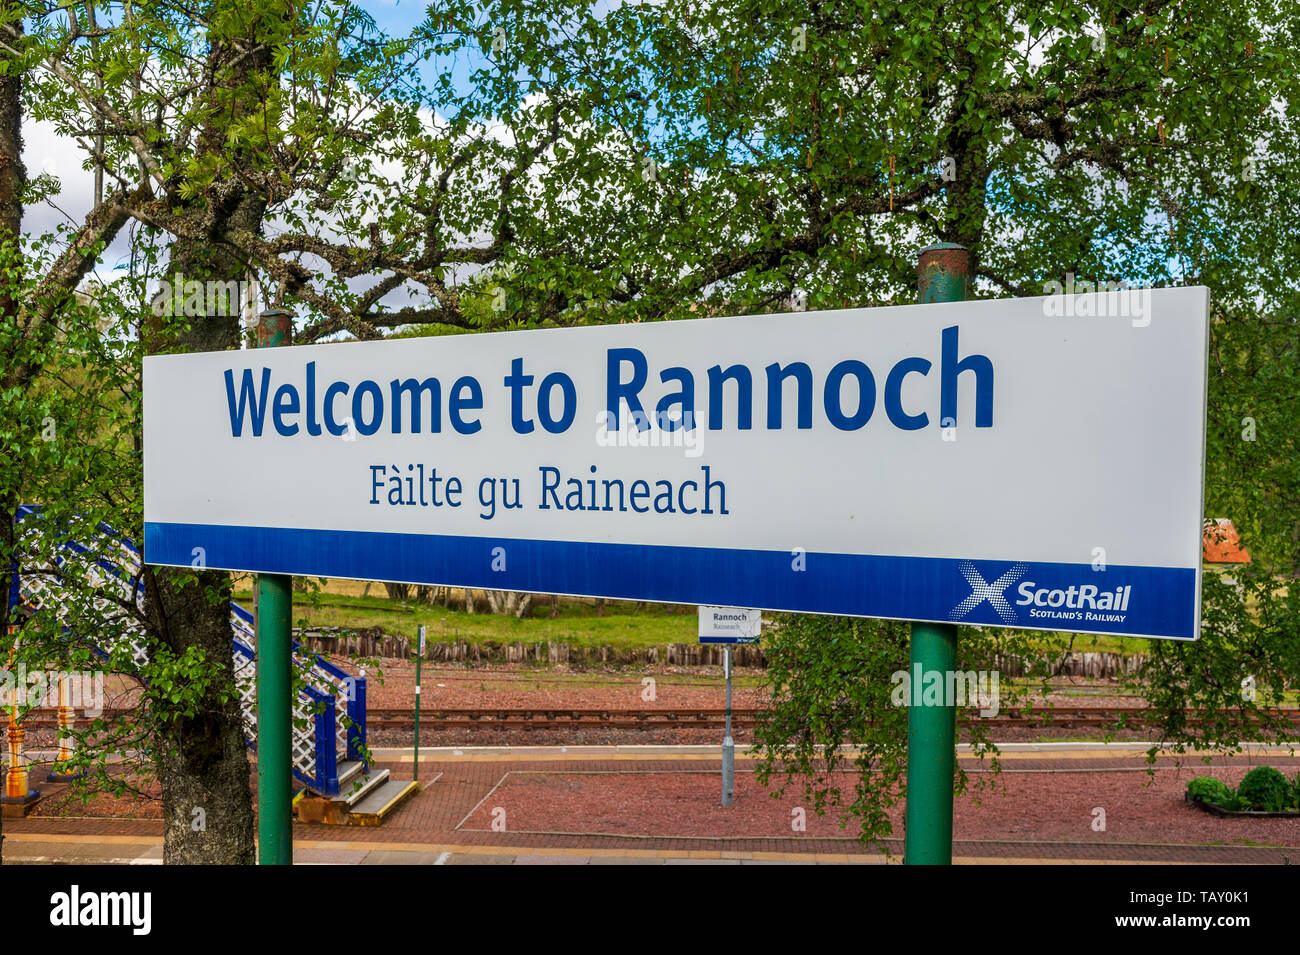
x: 509, y: 602
x: 202, y: 761
x: 12, y: 177
x: 431, y: 595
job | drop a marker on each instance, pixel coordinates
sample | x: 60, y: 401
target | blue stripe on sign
x: 1160, y: 600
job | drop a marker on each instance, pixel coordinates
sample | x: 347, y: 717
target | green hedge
x: 1267, y: 790
x: 1264, y: 789
x: 1214, y: 791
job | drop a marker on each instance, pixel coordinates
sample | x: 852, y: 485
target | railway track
x: 548, y: 718
x: 557, y: 718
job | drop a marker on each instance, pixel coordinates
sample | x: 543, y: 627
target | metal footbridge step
x: 363, y: 798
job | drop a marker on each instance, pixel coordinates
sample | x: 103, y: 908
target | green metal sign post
x: 274, y: 679
x: 943, y: 272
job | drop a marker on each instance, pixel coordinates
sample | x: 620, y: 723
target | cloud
x: 45, y: 151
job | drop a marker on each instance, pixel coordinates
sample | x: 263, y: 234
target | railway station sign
x: 730, y: 625
x: 1033, y: 463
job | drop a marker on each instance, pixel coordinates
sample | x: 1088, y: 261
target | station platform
x: 659, y: 805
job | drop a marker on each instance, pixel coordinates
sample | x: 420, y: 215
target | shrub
x: 1266, y: 789
x: 1214, y: 791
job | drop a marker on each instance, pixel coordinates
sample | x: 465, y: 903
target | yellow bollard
x: 17, y: 791
x: 61, y: 771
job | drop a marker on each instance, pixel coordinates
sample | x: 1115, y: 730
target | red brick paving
x: 1044, y: 813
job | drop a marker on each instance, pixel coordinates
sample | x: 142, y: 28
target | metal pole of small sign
x: 418, y: 657
x: 728, y: 625
x: 728, y: 744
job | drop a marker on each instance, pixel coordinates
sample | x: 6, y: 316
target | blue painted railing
x: 317, y: 746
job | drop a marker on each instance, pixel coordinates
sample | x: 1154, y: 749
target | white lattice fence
x: 341, y: 689
x: 246, y: 684
x: 304, y: 736
x: 325, y: 684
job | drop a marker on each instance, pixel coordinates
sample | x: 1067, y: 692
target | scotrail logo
x: 981, y: 590
x: 1079, y: 602
x: 1086, y: 602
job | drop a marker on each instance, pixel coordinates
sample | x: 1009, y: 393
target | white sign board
x: 730, y: 625
x: 1027, y: 463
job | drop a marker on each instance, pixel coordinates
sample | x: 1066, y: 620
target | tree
x: 40, y: 277
x: 651, y: 162
x: 203, y: 115
x: 738, y: 158
x: 218, y: 125
x: 808, y: 151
